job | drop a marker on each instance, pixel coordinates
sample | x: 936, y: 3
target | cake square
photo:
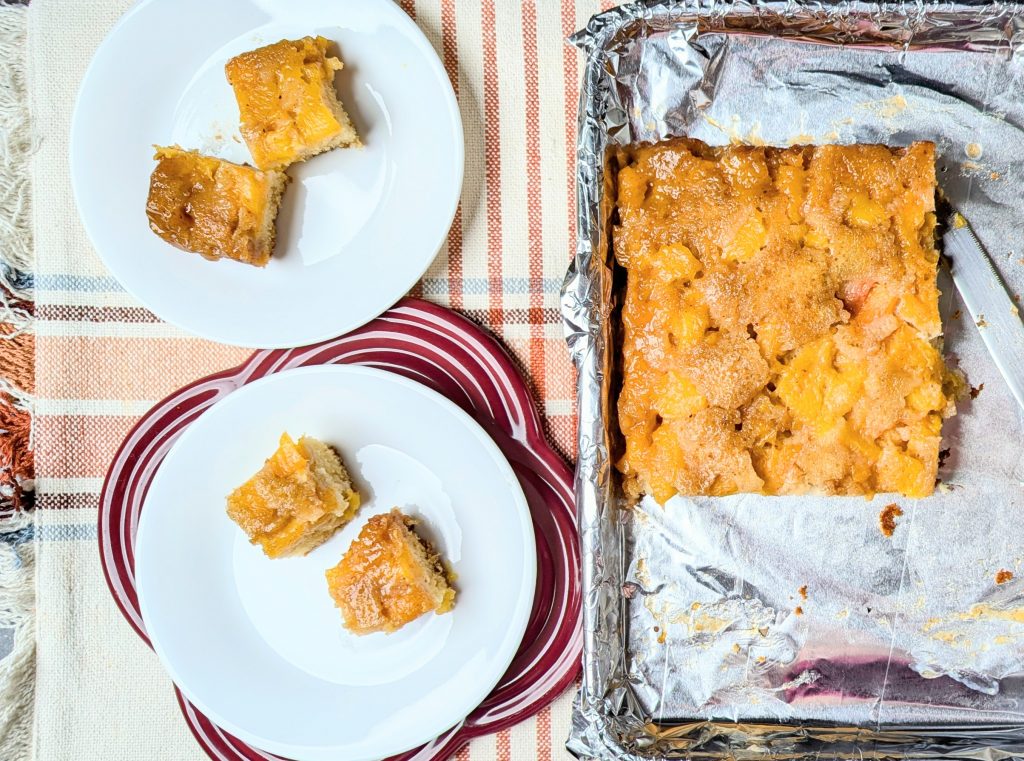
x: 389, y: 577
x: 297, y: 501
x: 214, y: 208
x: 286, y: 99
x: 780, y: 320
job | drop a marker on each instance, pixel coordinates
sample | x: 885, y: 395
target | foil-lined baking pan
x: 750, y: 626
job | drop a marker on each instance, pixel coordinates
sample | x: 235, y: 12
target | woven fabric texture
x: 102, y: 359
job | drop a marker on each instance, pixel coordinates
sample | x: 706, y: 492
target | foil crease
x: 752, y: 627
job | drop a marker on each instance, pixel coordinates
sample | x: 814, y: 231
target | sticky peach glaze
x: 389, y: 577
x: 780, y: 320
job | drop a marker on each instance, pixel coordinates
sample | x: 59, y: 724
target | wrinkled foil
x: 750, y: 626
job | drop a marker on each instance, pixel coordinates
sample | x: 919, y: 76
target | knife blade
x: 995, y: 314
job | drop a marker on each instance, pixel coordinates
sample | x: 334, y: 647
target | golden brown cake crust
x: 779, y: 320
x: 286, y: 100
x: 212, y: 207
x: 388, y: 577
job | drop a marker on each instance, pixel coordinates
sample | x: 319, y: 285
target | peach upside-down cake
x: 780, y: 320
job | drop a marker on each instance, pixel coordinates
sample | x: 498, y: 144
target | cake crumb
x: 976, y: 391
x: 736, y: 647
x: 973, y: 150
x: 803, y: 592
x: 798, y: 610
x: 981, y: 322
x: 661, y: 638
x: 887, y: 108
x: 955, y: 315
x: 887, y: 518
x: 994, y: 175
x: 1003, y: 576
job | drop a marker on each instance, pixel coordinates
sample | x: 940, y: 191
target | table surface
x: 102, y: 360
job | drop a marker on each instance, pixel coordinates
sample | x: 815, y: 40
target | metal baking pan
x: 907, y: 646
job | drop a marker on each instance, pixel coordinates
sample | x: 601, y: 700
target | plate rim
x: 524, y: 600
x: 513, y: 701
x: 76, y: 143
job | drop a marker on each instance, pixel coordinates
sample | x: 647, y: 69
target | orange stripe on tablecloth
x: 561, y: 431
x: 81, y: 367
x: 562, y: 376
x: 567, y: 439
x: 535, y: 230
x: 492, y: 161
x: 519, y: 351
x: 559, y: 428
x: 76, y: 446
x: 450, y: 53
x: 572, y: 98
x: 503, y: 745
x: 544, y: 734
x: 409, y: 6
x: 455, y: 260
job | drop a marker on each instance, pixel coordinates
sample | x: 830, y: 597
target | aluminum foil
x: 755, y: 626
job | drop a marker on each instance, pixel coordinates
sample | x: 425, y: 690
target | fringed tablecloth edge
x: 17, y: 384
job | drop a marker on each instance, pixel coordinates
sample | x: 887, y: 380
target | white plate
x: 357, y: 228
x: 257, y: 644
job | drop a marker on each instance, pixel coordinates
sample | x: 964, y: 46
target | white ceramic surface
x: 257, y: 645
x: 357, y: 228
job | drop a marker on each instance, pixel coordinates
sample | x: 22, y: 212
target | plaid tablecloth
x: 102, y: 359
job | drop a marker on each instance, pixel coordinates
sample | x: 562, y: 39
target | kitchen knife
x: 997, y: 317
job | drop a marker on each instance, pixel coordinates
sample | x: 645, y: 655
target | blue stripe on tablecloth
x: 473, y: 286
x: 478, y: 286
x: 76, y: 283
x: 66, y: 532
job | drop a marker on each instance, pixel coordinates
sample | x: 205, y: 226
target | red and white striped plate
x: 448, y: 353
